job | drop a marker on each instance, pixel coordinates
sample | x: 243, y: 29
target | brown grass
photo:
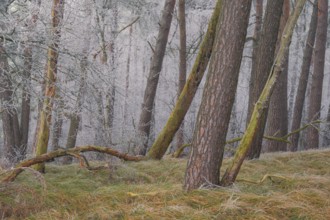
x: 297, y: 187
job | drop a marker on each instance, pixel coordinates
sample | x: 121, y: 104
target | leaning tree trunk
x: 277, y: 120
x: 45, y: 115
x: 218, y: 97
x: 263, y: 102
x: 182, y: 105
x: 315, y: 97
x: 153, y: 78
x: 262, y: 65
x: 303, y: 80
x: 182, y: 63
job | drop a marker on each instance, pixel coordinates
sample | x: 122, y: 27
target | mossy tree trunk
x: 315, y: 98
x: 183, y: 103
x: 218, y: 97
x: 263, y: 102
x: 303, y: 80
x: 45, y: 115
x: 154, y: 73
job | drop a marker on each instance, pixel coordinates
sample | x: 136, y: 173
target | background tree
x: 218, y: 96
x: 262, y: 65
x: 277, y: 120
x: 315, y: 97
x: 183, y: 61
x: 303, y: 79
x: 154, y: 73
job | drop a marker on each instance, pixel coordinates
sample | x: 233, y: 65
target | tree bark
x: 182, y: 64
x: 318, y: 73
x: 263, y: 102
x: 153, y: 78
x: 182, y: 105
x: 218, y: 96
x: 277, y: 120
x: 303, y: 80
x: 45, y: 116
x: 261, y: 67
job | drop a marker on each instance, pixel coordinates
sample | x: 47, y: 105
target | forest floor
x: 278, y: 186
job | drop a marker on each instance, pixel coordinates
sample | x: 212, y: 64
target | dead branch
x: 11, y: 175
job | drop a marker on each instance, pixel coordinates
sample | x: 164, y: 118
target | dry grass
x: 298, y: 188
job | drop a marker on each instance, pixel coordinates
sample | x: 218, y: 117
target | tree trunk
x: 75, y: 119
x: 183, y: 63
x: 58, y: 122
x: 153, y: 78
x: 10, y: 124
x: 318, y: 73
x: 182, y: 105
x: 326, y: 138
x: 45, y: 116
x: 303, y: 80
x: 277, y: 121
x: 262, y: 65
x: 263, y: 102
x: 218, y: 96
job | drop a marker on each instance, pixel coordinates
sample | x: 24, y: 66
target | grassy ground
x: 298, y: 188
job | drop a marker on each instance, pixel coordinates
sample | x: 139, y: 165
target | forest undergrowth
x: 278, y: 186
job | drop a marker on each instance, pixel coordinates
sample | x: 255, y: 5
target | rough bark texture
x: 182, y: 105
x: 153, y: 78
x: 303, y: 80
x: 257, y: 28
x: 183, y: 63
x: 262, y: 65
x: 263, y: 102
x: 218, y: 96
x: 45, y: 116
x: 277, y: 120
x: 75, y: 152
x: 318, y: 73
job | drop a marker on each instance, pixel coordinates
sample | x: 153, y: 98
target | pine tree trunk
x: 318, y: 73
x: 262, y: 65
x: 153, y: 78
x: 45, y: 115
x: 218, y: 96
x: 183, y: 64
x: 303, y: 80
x: 277, y: 121
x: 263, y: 102
x: 182, y: 105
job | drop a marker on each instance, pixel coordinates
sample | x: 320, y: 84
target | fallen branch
x: 263, y: 179
x: 74, y: 152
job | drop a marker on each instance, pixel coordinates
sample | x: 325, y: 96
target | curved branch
x: 74, y: 152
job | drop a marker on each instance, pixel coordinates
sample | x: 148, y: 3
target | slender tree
x: 261, y: 66
x: 277, y: 120
x: 303, y: 79
x: 183, y: 62
x: 153, y: 78
x: 45, y: 115
x: 182, y: 105
x: 263, y: 102
x: 315, y: 97
x: 218, y: 96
